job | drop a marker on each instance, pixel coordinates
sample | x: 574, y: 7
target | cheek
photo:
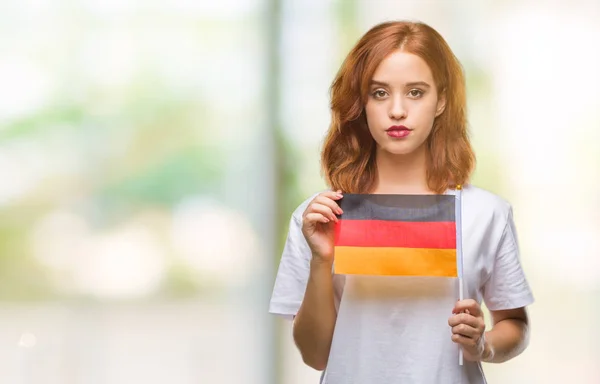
x: 372, y: 115
x: 376, y: 111
x: 426, y: 112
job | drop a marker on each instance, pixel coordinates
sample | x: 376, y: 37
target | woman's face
x: 402, y: 104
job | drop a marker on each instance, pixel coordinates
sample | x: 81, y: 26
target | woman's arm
x: 509, y: 335
x: 315, y: 321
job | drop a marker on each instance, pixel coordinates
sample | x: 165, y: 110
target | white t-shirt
x: 391, y: 329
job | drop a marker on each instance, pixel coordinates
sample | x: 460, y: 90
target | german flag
x: 399, y: 235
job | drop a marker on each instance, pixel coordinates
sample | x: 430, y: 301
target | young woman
x: 399, y: 127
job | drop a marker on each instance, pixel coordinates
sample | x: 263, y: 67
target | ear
x: 441, y: 104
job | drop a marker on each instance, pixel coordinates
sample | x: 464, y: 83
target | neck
x: 402, y: 174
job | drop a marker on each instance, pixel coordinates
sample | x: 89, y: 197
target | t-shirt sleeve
x: 292, y: 274
x: 507, y: 286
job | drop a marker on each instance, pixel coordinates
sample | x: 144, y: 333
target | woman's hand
x: 468, y: 330
x: 318, y: 221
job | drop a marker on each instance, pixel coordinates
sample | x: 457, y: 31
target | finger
x: 464, y: 341
x: 333, y: 195
x: 468, y: 305
x: 323, y: 210
x: 312, y: 219
x: 464, y: 318
x: 324, y: 200
x: 466, y: 331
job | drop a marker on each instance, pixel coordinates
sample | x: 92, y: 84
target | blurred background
x: 151, y: 153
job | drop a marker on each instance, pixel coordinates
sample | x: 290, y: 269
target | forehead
x: 403, y: 67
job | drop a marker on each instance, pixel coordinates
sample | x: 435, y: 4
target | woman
x: 399, y: 127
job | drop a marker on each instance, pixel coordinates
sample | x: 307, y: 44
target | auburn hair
x: 348, y: 155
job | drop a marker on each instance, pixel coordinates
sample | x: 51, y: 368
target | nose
x: 397, y: 109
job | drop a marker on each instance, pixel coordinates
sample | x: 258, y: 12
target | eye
x: 379, y: 94
x: 416, y: 93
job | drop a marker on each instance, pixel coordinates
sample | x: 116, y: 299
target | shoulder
x: 486, y: 210
x: 482, y: 200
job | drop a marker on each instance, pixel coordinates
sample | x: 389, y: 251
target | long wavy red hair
x: 348, y: 155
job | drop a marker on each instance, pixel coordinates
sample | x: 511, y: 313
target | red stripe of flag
x: 406, y: 234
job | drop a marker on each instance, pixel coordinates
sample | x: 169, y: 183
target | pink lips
x: 398, y: 131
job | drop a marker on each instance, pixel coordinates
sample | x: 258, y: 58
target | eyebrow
x: 411, y: 84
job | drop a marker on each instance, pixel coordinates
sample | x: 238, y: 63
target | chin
x: 398, y: 150
x: 400, y: 153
